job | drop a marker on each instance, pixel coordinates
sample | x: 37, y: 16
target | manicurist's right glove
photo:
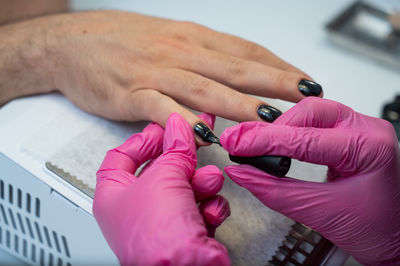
x: 358, y: 209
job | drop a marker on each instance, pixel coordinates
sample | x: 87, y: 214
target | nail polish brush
x: 274, y: 165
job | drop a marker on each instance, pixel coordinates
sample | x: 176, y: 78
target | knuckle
x: 199, y: 86
x: 253, y: 50
x: 179, y: 37
x: 244, y: 104
x: 156, y: 50
x: 191, y: 26
x: 387, y: 136
x: 386, y: 125
x: 171, y: 46
x: 280, y: 79
x: 236, y: 67
x: 141, y: 101
x: 177, y: 31
x: 383, y: 143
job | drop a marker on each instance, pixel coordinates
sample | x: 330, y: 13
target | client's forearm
x: 23, y: 67
x: 12, y: 11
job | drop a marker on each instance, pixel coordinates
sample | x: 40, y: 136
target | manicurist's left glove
x: 153, y: 218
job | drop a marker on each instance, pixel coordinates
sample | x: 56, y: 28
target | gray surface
x: 7, y: 259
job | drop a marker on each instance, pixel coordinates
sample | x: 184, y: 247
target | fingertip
x: 209, y: 119
x: 322, y: 94
x: 210, y: 169
x: 215, y: 210
x: 230, y: 169
x: 234, y: 173
x: 239, y: 140
x: 193, y: 119
x: 228, y: 136
x: 297, y: 86
x: 308, y: 87
x: 207, y: 181
x: 234, y: 170
x: 178, y: 134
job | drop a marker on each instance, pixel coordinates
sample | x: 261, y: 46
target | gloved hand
x: 153, y: 219
x: 359, y: 208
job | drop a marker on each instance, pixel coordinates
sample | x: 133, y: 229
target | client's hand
x: 127, y: 66
x: 358, y: 209
x: 153, y: 218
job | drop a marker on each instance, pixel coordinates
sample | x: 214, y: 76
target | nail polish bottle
x: 274, y: 165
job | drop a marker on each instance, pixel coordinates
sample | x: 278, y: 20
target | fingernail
x: 268, y: 113
x: 205, y: 133
x: 309, y: 88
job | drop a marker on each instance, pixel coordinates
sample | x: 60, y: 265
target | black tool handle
x: 274, y: 165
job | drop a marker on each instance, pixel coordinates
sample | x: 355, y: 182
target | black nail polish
x: 268, y: 113
x: 309, y: 88
x: 205, y: 133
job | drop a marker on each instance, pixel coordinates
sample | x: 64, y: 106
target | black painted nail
x: 205, y: 133
x: 268, y: 113
x: 309, y: 88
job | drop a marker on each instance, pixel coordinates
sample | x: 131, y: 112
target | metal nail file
x: 70, y: 179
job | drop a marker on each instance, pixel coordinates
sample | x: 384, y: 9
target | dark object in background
x: 368, y: 29
x: 302, y: 246
x: 395, y: 21
x: 391, y: 113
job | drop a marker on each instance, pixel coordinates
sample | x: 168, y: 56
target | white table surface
x: 294, y: 30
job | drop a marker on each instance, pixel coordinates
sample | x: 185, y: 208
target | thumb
x: 179, y: 148
x: 179, y: 136
x: 305, y: 202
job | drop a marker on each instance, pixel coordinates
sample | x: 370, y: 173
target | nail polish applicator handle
x: 274, y: 165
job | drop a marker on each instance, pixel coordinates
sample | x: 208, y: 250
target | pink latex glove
x: 153, y: 219
x: 359, y: 208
